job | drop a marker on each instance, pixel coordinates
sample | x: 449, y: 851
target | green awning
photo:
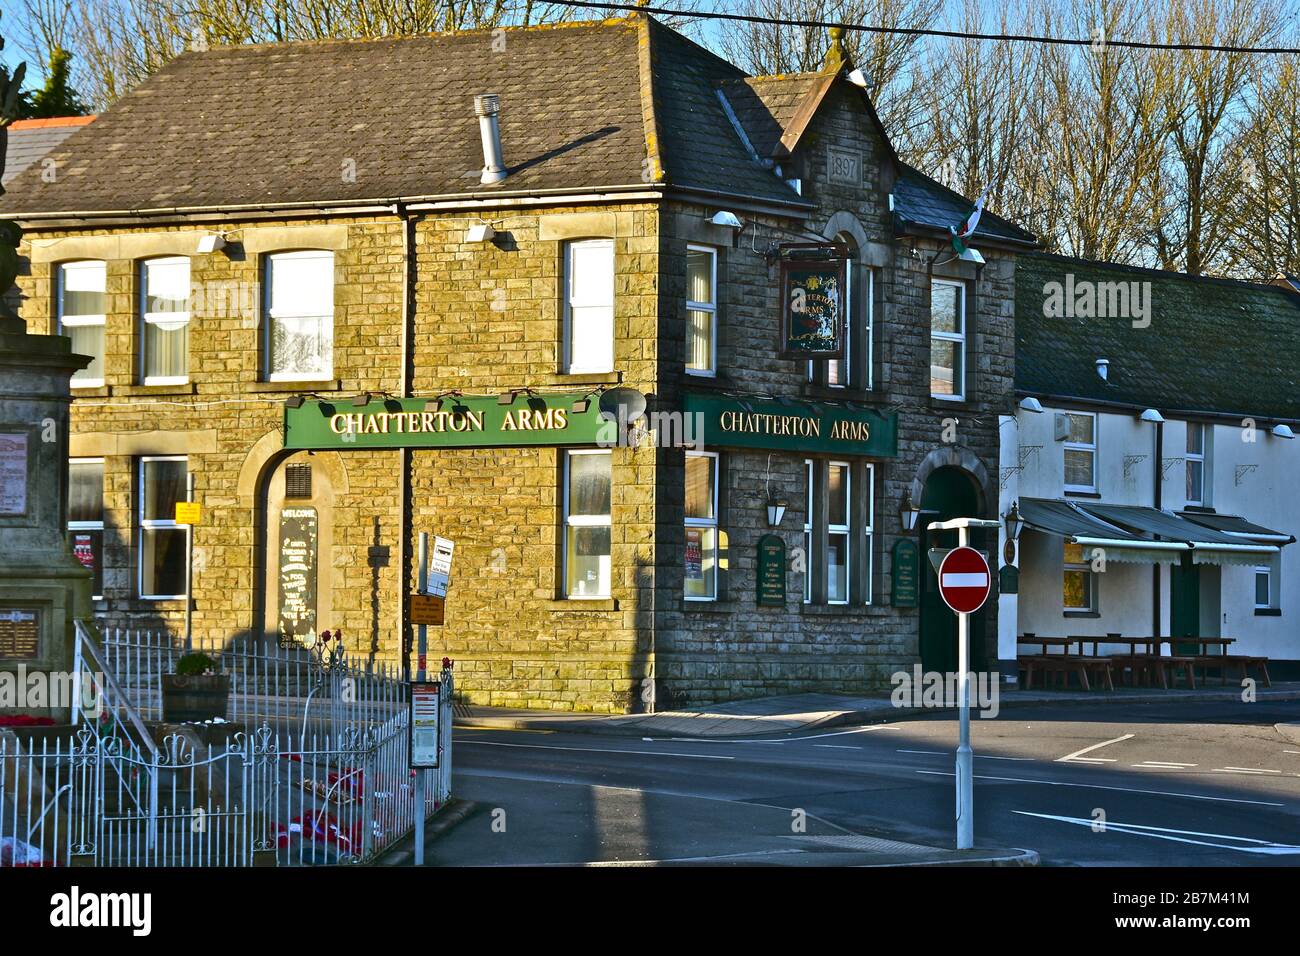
x: 1238, y: 527
x: 784, y: 424
x: 1208, y: 545
x: 1068, y: 521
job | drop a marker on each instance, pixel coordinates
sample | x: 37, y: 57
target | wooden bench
x: 1242, y: 662
x: 1052, y: 665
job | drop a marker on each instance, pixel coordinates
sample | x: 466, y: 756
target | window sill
x: 187, y: 388
x: 1083, y: 494
x: 582, y: 378
x: 324, y: 385
x: 1268, y: 612
x: 1092, y: 614
x: 583, y: 605
x: 90, y: 391
x: 834, y: 610
x: 850, y: 393
x: 720, y: 606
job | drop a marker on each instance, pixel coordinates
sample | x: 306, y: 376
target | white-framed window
x: 808, y: 531
x: 165, y: 320
x: 1081, y: 452
x: 79, y: 310
x: 587, y: 481
x: 701, y: 310
x: 86, y: 516
x: 1263, y: 586
x: 947, y: 339
x: 162, y: 544
x: 589, y: 306
x: 1197, y: 435
x: 299, y: 325
x: 701, y: 559
x: 839, y: 530
x: 1079, y: 586
x: 869, y: 513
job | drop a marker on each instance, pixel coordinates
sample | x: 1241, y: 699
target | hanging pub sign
x: 814, y: 287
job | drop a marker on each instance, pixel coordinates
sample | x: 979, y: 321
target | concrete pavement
x: 801, y: 712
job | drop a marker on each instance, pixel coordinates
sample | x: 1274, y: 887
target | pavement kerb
x: 612, y: 726
x: 1291, y: 731
x: 456, y: 811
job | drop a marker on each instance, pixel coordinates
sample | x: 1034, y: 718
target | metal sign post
x: 964, y: 587
x: 422, y: 650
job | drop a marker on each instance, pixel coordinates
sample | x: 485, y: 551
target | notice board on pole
x: 424, y: 724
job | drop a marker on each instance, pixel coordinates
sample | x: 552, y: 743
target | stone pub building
x: 350, y: 291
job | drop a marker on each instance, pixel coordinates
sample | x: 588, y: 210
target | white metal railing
x: 314, y: 769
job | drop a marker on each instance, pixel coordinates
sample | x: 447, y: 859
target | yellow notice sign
x: 188, y: 512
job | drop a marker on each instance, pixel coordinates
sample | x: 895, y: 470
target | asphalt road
x: 1207, y: 784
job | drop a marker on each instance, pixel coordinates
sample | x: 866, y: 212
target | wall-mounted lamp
x: 728, y: 219
x: 362, y: 399
x: 971, y: 255
x: 1031, y: 405
x: 483, y: 232
x: 1013, y: 521
x: 775, y: 512
x: 1282, y: 431
x: 507, y: 398
x: 294, y: 401
x: 211, y: 242
x: 908, y: 512
x: 1152, y: 416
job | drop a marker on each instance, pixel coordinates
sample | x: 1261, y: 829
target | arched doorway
x: 949, y: 492
x: 295, y: 532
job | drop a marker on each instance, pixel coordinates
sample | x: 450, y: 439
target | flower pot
x: 194, y: 697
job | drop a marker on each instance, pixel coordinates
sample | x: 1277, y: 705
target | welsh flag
x: 964, y: 231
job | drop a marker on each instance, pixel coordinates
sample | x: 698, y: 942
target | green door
x: 1185, y: 603
x: 949, y: 493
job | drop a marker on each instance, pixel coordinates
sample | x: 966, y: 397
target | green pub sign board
x: 792, y: 425
x: 813, y: 306
x: 905, y: 569
x: 771, y: 571
x: 468, y: 421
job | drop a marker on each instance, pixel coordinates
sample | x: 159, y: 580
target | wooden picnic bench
x: 1062, y: 664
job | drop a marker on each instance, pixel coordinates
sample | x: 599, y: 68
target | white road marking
x: 593, y: 750
x: 1242, y: 770
x: 1163, y: 833
x: 837, y: 746
x: 1162, y: 765
x: 782, y: 740
x: 1075, y: 757
x: 1096, y: 786
x: 949, y: 753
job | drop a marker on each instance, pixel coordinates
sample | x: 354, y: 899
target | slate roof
x: 766, y: 105
x: 29, y: 140
x: 921, y: 201
x: 601, y: 105
x: 275, y: 123
x: 1213, y: 345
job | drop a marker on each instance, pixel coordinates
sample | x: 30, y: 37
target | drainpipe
x: 404, y: 454
x: 1158, y: 457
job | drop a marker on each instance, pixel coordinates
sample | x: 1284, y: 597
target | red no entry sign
x: 964, y: 580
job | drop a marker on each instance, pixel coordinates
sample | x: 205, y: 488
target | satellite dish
x: 622, y: 403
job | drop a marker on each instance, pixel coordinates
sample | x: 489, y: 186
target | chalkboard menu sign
x: 771, y: 571
x: 905, y: 568
x: 298, y: 532
x: 812, y: 308
x: 1009, y: 579
x: 20, y: 634
x: 13, y: 474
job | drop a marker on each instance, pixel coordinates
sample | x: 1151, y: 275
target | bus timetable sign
x: 964, y: 580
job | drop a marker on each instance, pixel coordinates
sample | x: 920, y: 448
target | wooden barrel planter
x: 195, y: 697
